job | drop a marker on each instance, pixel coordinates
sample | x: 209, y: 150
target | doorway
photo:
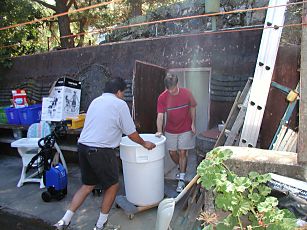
x: 148, y: 84
x: 197, y: 80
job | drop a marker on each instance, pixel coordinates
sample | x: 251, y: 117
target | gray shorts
x: 181, y: 141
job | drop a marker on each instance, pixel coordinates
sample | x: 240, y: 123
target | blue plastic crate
x: 12, y: 116
x: 31, y: 114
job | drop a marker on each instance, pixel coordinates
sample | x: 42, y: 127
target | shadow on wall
x: 93, y: 79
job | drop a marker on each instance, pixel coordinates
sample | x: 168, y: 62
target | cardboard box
x: 63, y: 101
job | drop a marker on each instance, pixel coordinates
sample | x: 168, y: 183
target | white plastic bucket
x: 143, y: 170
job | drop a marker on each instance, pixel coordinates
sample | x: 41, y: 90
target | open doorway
x: 197, y: 80
x: 148, y: 84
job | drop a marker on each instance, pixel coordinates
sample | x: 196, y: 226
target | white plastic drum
x: 143, y: 170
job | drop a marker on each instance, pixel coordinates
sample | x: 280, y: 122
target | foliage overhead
x: 20, y: 40
x: 99, y: 18
x: 59, y: 32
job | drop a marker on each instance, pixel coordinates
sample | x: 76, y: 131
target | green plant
x: 241, y: 197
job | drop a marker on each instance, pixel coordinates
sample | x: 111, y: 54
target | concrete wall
x: 231, y: 54
x: 228, y: 54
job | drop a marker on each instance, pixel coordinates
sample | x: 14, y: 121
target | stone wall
x: 190, y: 8
x: 291, y: 35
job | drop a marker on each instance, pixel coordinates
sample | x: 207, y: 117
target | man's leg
x: 183, y: 168
x: 183, y: 161
x: 171, y: 145
x: 80, y: 196
x: 185, y: 141
x: 108, y: 175
x: 174, y: 156
x: 106, y: 205
x: 76, y: 202
x: 108, y: 198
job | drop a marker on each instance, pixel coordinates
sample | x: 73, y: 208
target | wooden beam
x: 302, y: 146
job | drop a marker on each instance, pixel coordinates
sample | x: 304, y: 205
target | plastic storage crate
x: 31, y: 114
x: 3, y: 118
x: 12, y: 116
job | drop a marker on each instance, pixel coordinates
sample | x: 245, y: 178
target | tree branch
x: 70, y: 3
x: 75, y: 5
x: 45, y: 4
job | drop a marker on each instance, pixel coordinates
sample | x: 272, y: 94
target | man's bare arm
x: 138, y: 139
x: 160, y: 117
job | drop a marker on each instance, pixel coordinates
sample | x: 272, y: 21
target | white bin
x: 143, y: 170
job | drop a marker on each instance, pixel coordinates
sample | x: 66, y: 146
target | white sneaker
x: 180, y: 186
x: 177, y: 176
x: 61, y: 225
x: 107, y: 226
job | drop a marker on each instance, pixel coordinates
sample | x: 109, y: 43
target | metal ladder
x: 231, y: 131
x: 263, y: 72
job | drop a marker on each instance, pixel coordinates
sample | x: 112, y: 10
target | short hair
x: 115, y: 84
x: 170, y: 80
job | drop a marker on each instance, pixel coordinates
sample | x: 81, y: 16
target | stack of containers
x: 24, y: 116
x: 12, y: 116
x: 31, y: 114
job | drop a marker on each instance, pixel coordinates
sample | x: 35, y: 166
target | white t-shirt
x: 107, y: 118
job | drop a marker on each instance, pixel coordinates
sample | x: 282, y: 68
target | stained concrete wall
x: 231, y: 54
x: 226, y: 53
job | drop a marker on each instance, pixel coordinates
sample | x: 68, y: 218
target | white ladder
x: 263, y: 72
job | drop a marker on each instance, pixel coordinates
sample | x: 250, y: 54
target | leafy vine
x: 241, y: 197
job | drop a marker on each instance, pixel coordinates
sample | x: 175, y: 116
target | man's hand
x: 149, y: 145
x: 193, y: 129
x: 158, y: 134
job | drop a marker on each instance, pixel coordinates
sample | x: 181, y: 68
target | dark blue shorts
x: 98, y: 166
